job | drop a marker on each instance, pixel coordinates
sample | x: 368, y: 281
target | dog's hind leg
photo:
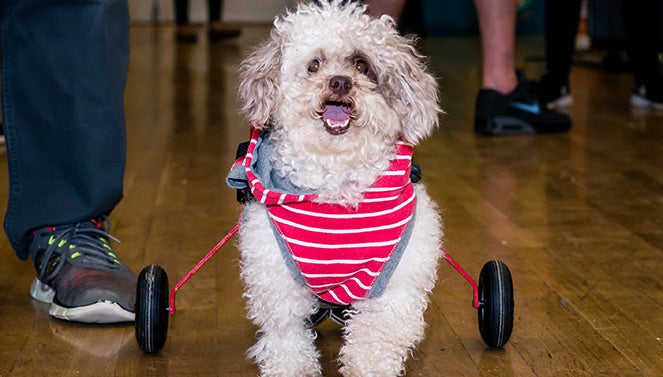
x: 276, y: 303
x: 381, y: 332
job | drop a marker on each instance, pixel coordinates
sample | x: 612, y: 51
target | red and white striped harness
x: 341, y: 251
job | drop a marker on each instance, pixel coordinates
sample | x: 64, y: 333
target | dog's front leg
x: 382, y: 331
x: 276, y: 303
x: 380, y: 336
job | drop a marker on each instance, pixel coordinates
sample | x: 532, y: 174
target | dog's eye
x: 314, y: 66
x: 361, y: 66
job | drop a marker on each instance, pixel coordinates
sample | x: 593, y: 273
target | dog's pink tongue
x: 336, y: 114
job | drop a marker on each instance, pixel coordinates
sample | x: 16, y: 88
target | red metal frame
x: 210, y: 254
x: 475, y: 288
x: 197, y: 267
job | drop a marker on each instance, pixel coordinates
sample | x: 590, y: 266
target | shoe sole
x: 644, y: 103
x: 99, y: 312
x: 505, y: 125
x: 560, y: 103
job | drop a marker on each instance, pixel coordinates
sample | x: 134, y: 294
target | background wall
x: 457, y: 17
x: 440, y: 17
x: 233, y: 10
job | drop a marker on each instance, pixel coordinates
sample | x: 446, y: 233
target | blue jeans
x: 64, y: 68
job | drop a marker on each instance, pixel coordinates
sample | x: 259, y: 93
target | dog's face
x: 338, y: 89
x: 333, y: 75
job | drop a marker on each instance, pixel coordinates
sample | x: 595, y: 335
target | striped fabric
x: 341, y: 251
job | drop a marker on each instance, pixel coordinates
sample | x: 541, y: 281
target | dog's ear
x: 414, y: 91
x: 259, y: 81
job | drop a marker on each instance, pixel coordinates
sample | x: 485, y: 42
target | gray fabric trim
x: 264, y: 170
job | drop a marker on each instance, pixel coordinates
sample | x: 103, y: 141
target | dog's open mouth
x: 336, y: 117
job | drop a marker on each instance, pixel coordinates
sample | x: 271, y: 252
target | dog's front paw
x: 287, y: 353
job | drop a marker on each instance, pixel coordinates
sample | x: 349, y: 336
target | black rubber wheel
x: 152, y: 308
x: 495, y: 304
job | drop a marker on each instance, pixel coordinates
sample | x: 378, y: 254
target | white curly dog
x: 335, y: 226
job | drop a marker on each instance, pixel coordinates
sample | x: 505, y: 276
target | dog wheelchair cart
x: 492, y: 294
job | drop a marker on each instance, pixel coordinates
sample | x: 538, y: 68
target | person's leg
x: 214, y: 7
x: 217, y: 29
x: 497, y: 25
x: 561, y: 28
x: 184, y: 31
x: 64, y: 68
x: 181, y: 12
x: 506, y: 104
x: 641, y: 21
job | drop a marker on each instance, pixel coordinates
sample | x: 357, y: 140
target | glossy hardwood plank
x: 577, y: 217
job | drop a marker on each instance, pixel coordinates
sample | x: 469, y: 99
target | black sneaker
x: 80, y: 275
x: 516, y: 113
x: 553, y: 93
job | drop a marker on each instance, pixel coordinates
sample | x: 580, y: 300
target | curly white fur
x: 286, y: 85
x: 397, y: 98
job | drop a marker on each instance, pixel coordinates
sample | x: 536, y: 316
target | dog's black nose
x: 340, y: 85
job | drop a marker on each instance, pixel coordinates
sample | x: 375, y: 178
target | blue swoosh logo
x: 530, y: 108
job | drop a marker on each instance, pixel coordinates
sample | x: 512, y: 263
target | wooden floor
x: 577, y: 217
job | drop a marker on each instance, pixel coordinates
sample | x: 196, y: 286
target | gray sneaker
x: 80, y: 275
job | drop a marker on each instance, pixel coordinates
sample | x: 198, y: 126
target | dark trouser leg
x: 214, y: 7
x: 181, y: 12
x: 641, y: 26
x: 64, y: 67
x: 562, y: 17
